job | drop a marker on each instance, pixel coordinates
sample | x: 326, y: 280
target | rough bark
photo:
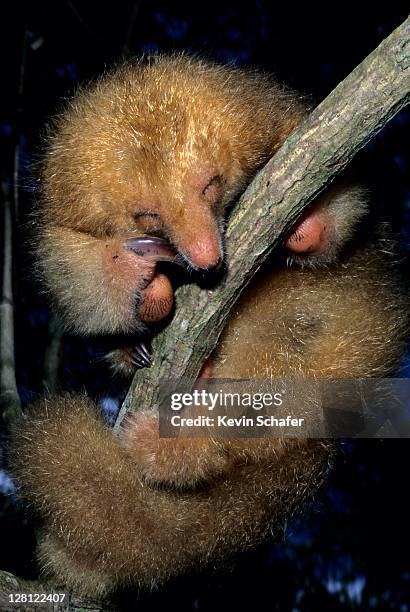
x: 10, y: 586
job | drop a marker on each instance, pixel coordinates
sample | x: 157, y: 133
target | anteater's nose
x: 204, y: 253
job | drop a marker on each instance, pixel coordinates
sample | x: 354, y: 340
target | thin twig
x: 52, y: 355
x: 10, y: 404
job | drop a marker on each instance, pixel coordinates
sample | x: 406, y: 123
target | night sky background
x: 351, y: 550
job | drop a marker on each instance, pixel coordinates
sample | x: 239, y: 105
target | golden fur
x: 148, y: 138
x: 347, y: 321
x: 152, y: 137
x: 105, y: 528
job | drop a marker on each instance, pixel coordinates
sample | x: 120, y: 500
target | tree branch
x: 10, y: 404
x: 10, y: 586
x: 52, y: 354
x: 307, y: 162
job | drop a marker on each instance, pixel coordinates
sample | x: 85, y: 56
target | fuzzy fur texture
x: 105, y: 527
x: 152, y: 138
x: 347, y: 321
x: 162, y: 146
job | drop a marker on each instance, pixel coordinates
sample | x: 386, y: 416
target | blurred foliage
x: 351, y: 550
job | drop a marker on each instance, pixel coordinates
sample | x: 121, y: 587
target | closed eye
x: 146, y: 213
x: 211, y: 190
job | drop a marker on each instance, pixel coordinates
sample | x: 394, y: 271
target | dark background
x: 351, y: 551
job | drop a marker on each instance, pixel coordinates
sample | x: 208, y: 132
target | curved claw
x: 145, y: 351
x: 140, y: 356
